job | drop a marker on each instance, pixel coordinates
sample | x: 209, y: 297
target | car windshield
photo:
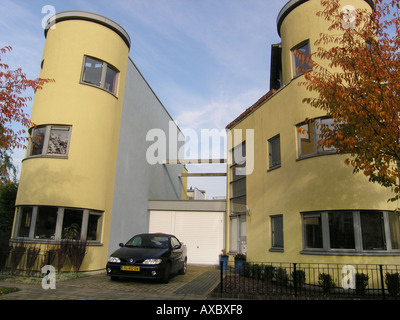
x: 149, y: 241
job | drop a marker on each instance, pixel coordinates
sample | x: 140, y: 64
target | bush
x: 281, y: 276
x: 326, y: 282
x: 269, y: 273
x: 361, y: 283
x: 392, y: 281
x: 299, y: 277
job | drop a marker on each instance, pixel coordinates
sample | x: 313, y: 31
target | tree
x: 13, y: 102
x: 356, y: 77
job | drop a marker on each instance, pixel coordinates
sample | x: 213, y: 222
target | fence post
x: 221, y: 277
x: 382, y: 282
x: 295, y: 279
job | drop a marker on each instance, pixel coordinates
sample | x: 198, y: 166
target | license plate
x: 130, y: 268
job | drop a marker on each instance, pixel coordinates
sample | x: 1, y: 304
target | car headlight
x: 152, y: 261
x: 114, y: 260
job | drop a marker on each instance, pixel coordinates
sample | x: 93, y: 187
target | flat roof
x: 88, y: 16
x: 293, y: 4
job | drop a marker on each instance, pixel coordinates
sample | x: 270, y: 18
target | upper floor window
x: 301, y: 58
x: 50, y: 140
x: 308, y: 136
x: 100, y: 74
x: 274, y: 146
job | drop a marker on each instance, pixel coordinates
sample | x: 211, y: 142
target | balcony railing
x: 252, y: 280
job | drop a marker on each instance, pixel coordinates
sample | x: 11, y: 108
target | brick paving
x: 197, y: 284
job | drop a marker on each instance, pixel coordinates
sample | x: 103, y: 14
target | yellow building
x: 287, y: 199
x: 85, y: 171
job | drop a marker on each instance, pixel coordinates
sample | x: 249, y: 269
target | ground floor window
x: 238, y: 235
x: 351, y: 231
x: 277, y: 233
x: 55, y: 223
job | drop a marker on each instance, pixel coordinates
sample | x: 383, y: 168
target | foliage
x: 392, y: 281
x: 299, y: 277
x: 326, y: 282
x: 356, y: 77
x: 8, y: 194
x: 361, y: 283
x: 240, y: 256
x: 13, y: 102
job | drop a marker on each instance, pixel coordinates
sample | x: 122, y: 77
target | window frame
x: 358, y: 237
x: 58, y: 232
x: 312, y: 136
x: 46, y: 140
x: 271, y: 152
x: 297, y: 73
x: 274, y: 247
x: 104, y: 68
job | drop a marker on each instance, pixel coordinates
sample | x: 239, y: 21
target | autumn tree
x: 13, y: 103
x: 355, y: 76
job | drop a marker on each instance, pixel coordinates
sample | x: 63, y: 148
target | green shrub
x: 326, y: 282
x: 392, y: 281
x: 361, y: 283
x: 269, y: 273
x: 300, y: 277
x: 281, y: 276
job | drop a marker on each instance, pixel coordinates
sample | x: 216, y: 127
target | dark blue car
x: 148, y: 255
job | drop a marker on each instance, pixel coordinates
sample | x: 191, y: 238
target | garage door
x: 202, y: 232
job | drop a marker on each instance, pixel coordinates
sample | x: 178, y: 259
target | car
x: 148, y: 255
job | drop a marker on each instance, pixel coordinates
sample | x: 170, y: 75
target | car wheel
x: 167, y: 273
x: 184, y: 268
x: 114, y: 278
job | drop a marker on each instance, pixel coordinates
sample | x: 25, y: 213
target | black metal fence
x: 253, y: 280
x: 24, y: 259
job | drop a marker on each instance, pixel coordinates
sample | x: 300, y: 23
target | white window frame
x: 104, y: 67
x: 45, y: 147
x: 59, y: 223
x: 358, y: 250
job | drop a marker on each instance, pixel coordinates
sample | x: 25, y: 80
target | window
x: 301, y: 58
x: 351, y: 232
x: 373, y: 232
x: 309, y: 135
x: 341, y: 230
x: 50, y: 140
x: 238, y: 208
x: 277, y: 232
x: 54, y: 223
x: 274, y: 147
x: 46, y: 221
x: 25, y: 222
x: 312, y: 231
x: 100, y: 74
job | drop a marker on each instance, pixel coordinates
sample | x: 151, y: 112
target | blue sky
x: 206, y: 60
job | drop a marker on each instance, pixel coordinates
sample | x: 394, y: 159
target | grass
x: 4, y: 290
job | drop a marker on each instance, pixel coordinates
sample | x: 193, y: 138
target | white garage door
x: 202, y: 232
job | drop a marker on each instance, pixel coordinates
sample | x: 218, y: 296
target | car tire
x: 114, y: 278
x: 184, y: 268
x: 167, y: 273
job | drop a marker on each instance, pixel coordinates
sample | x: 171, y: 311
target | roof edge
x: 293, y: 4
x: 249, y: 110
x: 88, y: 16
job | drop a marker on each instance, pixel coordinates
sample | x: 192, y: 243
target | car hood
x: 139, y: 253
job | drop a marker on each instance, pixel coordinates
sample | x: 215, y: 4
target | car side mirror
x: 121, y: 244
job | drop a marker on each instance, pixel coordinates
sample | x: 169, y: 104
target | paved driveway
x: 197, y: 284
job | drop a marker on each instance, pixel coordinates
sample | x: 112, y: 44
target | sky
x: 206, y: 60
